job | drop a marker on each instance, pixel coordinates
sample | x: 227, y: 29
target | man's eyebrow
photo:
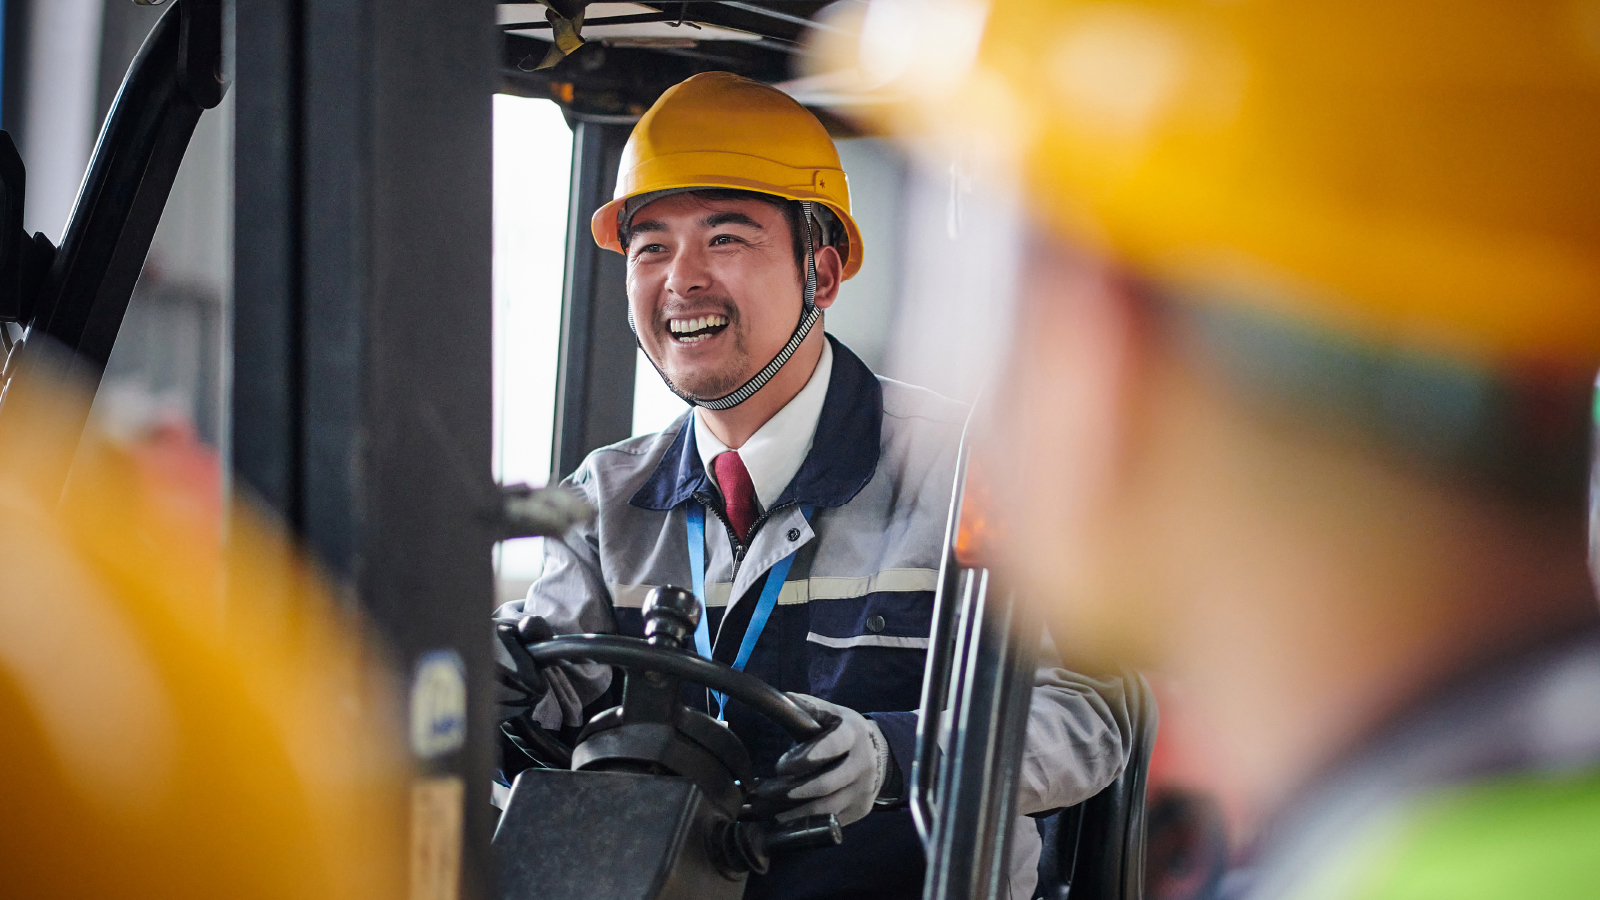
x: 646, y: 225
x: 730, y: 218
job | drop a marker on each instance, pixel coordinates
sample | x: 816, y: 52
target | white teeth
x: 699, y: 323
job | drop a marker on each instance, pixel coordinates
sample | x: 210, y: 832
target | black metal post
x: 362, y: 345
x: 980, y: 673
x: 992, y: 680
x: 265, y: 444
x: 948, y: 606
x: 594, y: 392
x: 14, y: 21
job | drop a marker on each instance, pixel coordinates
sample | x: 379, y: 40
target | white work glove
x: 847, y: 789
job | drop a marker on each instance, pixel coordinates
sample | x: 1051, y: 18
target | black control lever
x: 806, y: 833
x: 741, y: 847
x: 539, y: 745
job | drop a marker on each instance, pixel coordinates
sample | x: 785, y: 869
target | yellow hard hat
x: 158, y: 741
x: 720, y: 130
x: 1420, y: 174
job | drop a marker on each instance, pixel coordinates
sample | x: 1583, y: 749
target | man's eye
x: 723, y: 239
x: 651, y: 248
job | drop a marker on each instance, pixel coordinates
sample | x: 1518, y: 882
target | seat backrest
x: 1096, y: 850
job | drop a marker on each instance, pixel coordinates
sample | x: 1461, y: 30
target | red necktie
x: 737, y: 490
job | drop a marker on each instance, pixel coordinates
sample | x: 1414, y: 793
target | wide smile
x: 697, y: 329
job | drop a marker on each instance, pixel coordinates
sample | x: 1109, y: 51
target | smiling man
x: 804, y: 498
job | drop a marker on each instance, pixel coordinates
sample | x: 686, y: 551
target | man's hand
x: 550, y: 698
x: 848, y: 787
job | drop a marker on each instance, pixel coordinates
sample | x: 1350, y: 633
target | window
x: 532, y: 161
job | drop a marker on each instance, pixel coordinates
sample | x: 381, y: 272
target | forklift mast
x: 74, y: 297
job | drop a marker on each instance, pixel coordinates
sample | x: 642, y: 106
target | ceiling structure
x: 631, y: 52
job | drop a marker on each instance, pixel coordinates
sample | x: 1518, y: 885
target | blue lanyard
x: 764, y: 606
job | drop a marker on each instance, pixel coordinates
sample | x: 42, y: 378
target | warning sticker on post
x: 436, y: 807
x: 438, y: 704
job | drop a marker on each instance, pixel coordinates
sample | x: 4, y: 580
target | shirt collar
x: 842, y: 454
x: 774, y: 453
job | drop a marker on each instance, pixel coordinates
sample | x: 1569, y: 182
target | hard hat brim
x: 604, y: 224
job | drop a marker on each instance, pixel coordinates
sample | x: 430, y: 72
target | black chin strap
x: 809, y: 314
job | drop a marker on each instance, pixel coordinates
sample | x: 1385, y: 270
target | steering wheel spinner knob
x: 671, y: 614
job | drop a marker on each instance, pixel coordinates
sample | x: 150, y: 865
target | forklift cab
x: 361, y: 339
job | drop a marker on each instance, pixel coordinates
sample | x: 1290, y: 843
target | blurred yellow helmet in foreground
x: 156, y: 742
x: 721, y: 130
x: 1415, y: 173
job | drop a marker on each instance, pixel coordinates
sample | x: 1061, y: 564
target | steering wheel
x: 671, y: 615
x: 645, y: 728
x: 637, y: 655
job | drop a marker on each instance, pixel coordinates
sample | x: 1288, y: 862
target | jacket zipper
x: 706, y: 501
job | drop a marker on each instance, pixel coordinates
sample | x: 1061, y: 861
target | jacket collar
x: 843, y: 457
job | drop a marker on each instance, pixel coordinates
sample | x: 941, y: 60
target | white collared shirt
x: 774, y: 453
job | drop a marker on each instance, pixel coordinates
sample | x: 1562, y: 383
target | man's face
x: 714, y: 289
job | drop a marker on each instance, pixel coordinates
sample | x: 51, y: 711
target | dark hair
x: 789, y: 208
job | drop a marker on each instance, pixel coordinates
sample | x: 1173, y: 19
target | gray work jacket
x: 853, y: 616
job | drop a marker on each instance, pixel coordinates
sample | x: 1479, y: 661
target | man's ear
x: 830, y: 274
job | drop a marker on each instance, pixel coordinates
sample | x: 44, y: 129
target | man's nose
x: 688, y: 272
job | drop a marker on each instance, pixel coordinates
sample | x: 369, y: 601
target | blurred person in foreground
x: 180, y: 717
x: 1296, y: 403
